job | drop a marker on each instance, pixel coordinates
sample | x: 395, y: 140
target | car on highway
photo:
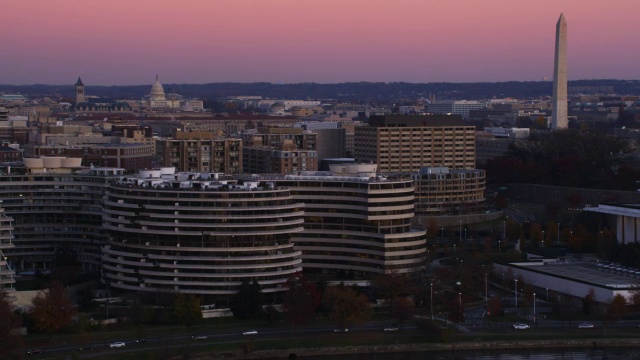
x: 34, y: 351
x: 521, y: 326
x: 117, y: 344
x: 345, y: 330
x: 585, y: 326
x: 198, y: 337
x: 391, y: 329
x: 250, y: 332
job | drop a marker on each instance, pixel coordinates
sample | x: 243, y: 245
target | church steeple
x: 79, y: 91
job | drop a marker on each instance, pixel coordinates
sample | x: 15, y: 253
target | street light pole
x: 547, y: 294
x: 515, y: 291
x: 460, y: 232
x: 486, y: 291
x: 431, y: 301
x: 535, y: 319
x: 460, y: 294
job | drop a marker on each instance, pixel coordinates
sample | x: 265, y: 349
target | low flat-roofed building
x: 626, y: 218
x: 573, y: 278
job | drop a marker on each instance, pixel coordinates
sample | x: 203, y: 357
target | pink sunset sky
x: 123, y: 42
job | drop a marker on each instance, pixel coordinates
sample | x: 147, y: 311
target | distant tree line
x: 590, y: 159
x: 353, y: 91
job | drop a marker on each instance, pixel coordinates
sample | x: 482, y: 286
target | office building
x: 460, y: 107
x: 407, y: 143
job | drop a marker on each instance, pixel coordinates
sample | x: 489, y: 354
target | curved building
x: 357, y: 224
x: 57, y: 214
x: 193, y: 233
x: 7, y: 274
x: 444, y: 191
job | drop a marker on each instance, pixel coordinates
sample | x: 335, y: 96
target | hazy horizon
x: 313, y: 82
x: 125, y: 42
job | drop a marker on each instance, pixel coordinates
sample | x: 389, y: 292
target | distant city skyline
x: 123, y: 42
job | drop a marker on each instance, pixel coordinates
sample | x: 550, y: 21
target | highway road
x: 474, y: 323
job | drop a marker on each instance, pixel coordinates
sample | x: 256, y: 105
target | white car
x: 345, y: 330
x: 585, y: 326
x: 198, y: 337
x: 250, y: 332
x: 391, y: 328
x: 521, y: 326
x: 117, y: 344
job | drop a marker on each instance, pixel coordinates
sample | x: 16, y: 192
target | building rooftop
x: 595, y: 273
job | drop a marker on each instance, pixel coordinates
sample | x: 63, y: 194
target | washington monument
x: 559, y: 119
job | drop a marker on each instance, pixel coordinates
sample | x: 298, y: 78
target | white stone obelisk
x: 559, y: 119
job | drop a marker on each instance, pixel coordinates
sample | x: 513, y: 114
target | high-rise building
x: 56, y: 212
x: 201, y: 152
x: 559, y: 116
x: 357, y: 223
x: 279, y: 150
x: 199, y: 234
x: 407, y: 143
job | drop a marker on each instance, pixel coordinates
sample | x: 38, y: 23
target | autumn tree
x: 345, y: 306
x: 248, y: 301
x: 578, y: 238
x: 635, y: 296
x: 455, y: 307
x: 186, y: 309
x: 589, y: 301
x: 552, y: 230
x: 617, y: 308
x: 9, y: 321
x: 402, y: 310
x: 536, y: 235
x: 432, y: 229
x: 302, y: 299
x: 513, y: 230
x: 494, y: 307
x: 391, y: 286
x: 52, y: 309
